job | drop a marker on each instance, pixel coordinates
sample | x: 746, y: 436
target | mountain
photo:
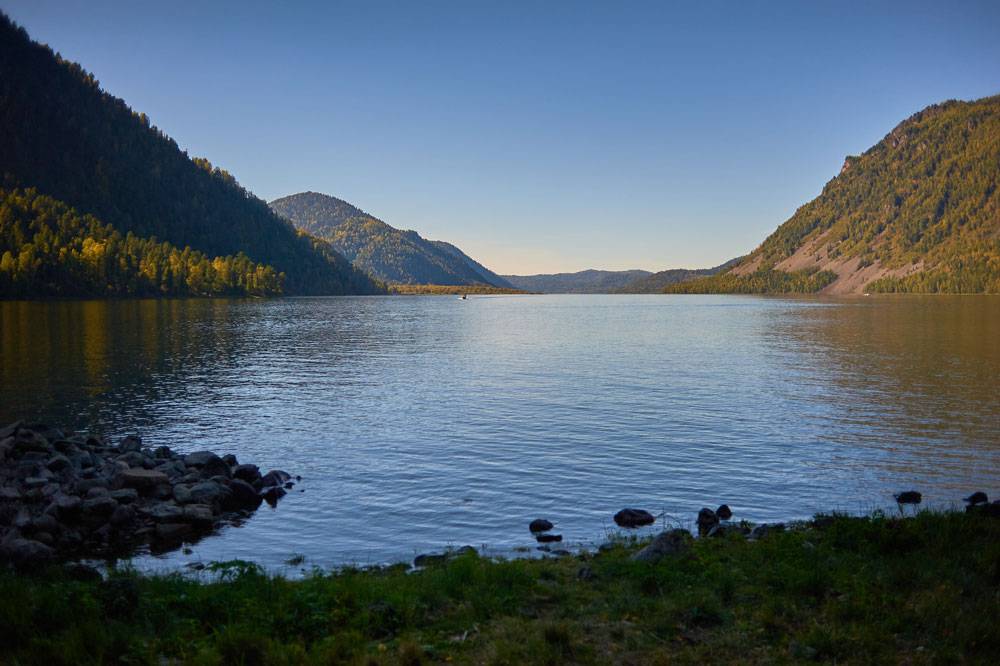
x: 86, y: 153
x: 656, y: 282
x: 388, y: 253
x: 590, y: 281
x: 917, y: 212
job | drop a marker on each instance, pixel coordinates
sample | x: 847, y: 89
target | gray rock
x: 182, y: 494
x: 208, y: 492
x: 548, y: 538
x: 241, y: 496
x: 272, y: 494
x: 99, y: 506
x: 130, y: 443
x: 540, y: 525
x: 248, y: 473
x: 673, y: 542
x: 707, y: 519
x: 724, y: 512
x: 59, y: 462
x: 26, y: 553
x: 200, y: 515
x: 143, y: 478
x: 634, y: 518
x: 230, y: 460
x: 200, y: 458
x: 275, y: 477
x: 96, y: 491
x: 162, y: 452
x: 172, y: 532
x: 125, y: 495
x: 164, y: 513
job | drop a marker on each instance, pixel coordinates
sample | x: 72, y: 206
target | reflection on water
x: 419, y: 422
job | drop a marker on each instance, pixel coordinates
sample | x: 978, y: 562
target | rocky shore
x: 65, y: 496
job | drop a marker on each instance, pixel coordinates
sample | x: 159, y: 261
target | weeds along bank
x: 879, y: 589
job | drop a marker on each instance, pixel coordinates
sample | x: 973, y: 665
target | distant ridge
x: 591, y: 281
x: 76, y: 149
x: 390, y: 254
x: 917, y: 212
x: 655, y: 283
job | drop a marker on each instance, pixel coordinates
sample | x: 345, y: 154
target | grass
x: 858, y: 590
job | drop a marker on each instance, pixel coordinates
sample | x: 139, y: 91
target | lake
x: 423, y: 422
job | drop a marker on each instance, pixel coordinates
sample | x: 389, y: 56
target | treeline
x: 977, y: 272
x: 63, y: 135
x: 49, y: 249
x: 759, y: 282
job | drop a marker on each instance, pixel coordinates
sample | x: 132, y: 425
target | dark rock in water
x: 977, y: 497
x: 164, y: 513
x: 548, y: 538
x: 908, y: 497
x: 241, y: 496
x: 275, y: 477
x: 200, y: 458
x: 707, y: 519
x: 540, y: 525
x: 673, y: 542
x: 162, y: 453
x: 724, y: 512
x: 230, y: 460
x: 248, y: 473
x: 634, y: 518
x: 272, y: 495
x: 99, y: 506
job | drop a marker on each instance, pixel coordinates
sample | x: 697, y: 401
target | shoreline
x: 919, y: 589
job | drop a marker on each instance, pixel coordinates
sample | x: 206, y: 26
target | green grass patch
x: 877, y: 589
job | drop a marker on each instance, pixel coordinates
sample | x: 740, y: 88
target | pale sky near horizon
x: 538, y: 137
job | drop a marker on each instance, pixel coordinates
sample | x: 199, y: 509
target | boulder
x: 182, y: 494
x: 275, y: 477
x: 634, y: 518
x: 724, y: 512
x: 162, y: 452
x: 208, y: 492
x: 143, y: 479
x: 99, y: 506
x: 540, y: 525
x: 908, y: 497
x: 58, y: 463
x: 241, y: 496
x: 707, y: 519
x: 230, y: 460
x: 670, y: 543
x: 134, y: 459
x: 200, y: 458
x: 978, y: 497
x: 200, y: 515
x: 164, y: 512
x: 26, y: 553
x: 172, y: 532
x: 272, y: 495
x: 548, y: 538
x: 130, y: 443
x: 125, y: 495
x: 122, y: 516
x: 248, y: 473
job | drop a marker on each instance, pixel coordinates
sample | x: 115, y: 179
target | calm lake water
x: 422, y: 422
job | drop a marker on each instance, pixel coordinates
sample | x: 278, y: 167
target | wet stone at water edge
x: 64, y: 496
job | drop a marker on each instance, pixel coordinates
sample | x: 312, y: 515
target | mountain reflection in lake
x: 419, y: 422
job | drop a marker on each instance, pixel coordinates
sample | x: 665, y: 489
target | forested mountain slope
x: 590, y: 281
x: 388, y: 253
x: 917, y: 212
x: 655, y: 283
x: 76, y: 144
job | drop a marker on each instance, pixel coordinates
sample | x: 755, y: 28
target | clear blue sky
x: 539, y: 137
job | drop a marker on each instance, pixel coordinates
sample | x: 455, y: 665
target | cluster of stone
x: 64, y: 496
